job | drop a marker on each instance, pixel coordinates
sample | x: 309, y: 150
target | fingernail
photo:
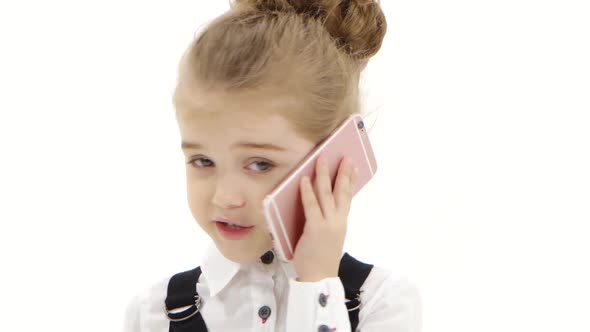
x: 356, y: 171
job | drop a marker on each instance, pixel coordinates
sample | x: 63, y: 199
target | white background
x: 482, y: 196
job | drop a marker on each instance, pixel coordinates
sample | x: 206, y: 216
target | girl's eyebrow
x: 250, y: 145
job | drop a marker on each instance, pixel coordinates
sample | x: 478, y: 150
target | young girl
x: 257, y: 90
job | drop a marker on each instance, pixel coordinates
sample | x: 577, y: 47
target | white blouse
x: 232, y: 295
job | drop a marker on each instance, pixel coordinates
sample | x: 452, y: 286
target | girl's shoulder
x: 391, y: 292
x: 380, y: 279
x: 147, y: 307
x: 383, y: 279
x: 380, y: 275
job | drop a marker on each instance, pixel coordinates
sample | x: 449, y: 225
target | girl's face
x: 237, y: 149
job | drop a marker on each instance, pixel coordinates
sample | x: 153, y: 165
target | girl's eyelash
x: 269, y: 165
x: 195, y: 159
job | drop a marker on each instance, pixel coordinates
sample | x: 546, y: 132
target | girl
x: 257, y: 90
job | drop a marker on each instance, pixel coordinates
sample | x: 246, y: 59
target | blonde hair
x: 313, y: 50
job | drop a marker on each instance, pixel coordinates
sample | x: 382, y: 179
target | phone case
x: 283, y: 209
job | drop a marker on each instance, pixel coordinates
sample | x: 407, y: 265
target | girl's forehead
x: 248, y: 110
x: 224, y: 118
x: 225, y: 130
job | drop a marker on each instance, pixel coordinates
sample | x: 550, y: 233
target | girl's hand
x: 319, y: 250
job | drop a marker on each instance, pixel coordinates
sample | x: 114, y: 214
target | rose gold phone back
x: 283, y: 207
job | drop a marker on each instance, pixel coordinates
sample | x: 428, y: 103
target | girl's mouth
x: 231, y: 231
x: 232, y: 225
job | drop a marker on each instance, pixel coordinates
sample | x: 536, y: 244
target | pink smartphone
x: 283, y: 209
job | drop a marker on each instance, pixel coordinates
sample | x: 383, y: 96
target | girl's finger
x: 344, y: 185
x: 311, y: 208
x: 323, y: 185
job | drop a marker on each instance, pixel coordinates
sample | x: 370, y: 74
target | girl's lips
x: 227, y: 221
x: 232, y: 233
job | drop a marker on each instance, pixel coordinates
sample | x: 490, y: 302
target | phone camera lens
x: 361, y: 125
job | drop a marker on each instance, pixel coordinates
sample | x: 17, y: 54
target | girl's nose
x: 228, y: 196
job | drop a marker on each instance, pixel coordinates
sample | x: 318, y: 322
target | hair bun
x: 357, y: 26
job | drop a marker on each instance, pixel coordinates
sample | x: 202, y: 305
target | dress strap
x: 182, y: 293
x: 353, y: 274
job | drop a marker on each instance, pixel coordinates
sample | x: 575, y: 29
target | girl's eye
x: 193, y: 161
x: 266, y: 166
x: 263, y: 166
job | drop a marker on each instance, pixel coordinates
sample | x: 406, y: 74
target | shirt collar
x: 219, y: 271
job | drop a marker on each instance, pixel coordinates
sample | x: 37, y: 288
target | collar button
x: 268, y: 257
